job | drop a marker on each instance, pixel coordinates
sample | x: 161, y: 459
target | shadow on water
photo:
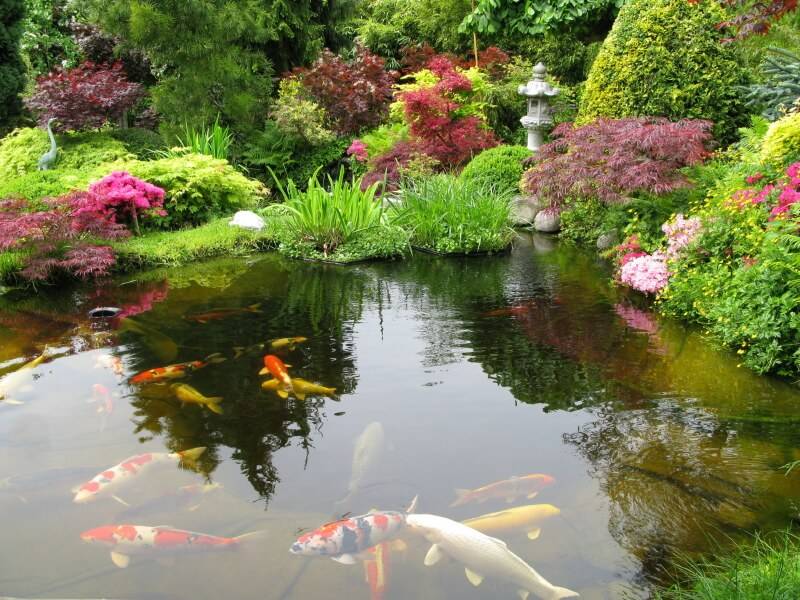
x: 682, y: 445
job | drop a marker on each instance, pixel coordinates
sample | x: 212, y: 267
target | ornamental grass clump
x: 329, y: 218
x: 447, y: 214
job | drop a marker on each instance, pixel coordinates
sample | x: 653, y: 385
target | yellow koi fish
x: 287, y: 343
x: 188, y: 395
x: 302, y: 388
x: 521, y: 518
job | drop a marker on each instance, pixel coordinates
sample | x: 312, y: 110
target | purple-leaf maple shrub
x: 611, y: 159
x: 85, y: 97
x: 123, y: 197
x: 356, y: 95
x: 58, y: 239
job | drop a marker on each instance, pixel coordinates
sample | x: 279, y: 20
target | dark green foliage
x: 529, y: 17
x: 12, y: 70
x: 501, y: 166
x: 328, y: 158
x: 664, y: 58
x: 142, y: 143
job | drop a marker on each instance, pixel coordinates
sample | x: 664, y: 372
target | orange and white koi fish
x: 176, y: 371
x: 302, y: 388
x: 112, y: 479
x: 222, y: 313
x: 109, y: 361
x: 102, y: 397
x: 287, y: 343
x: 377, y: 566
x: 275, y: 366
x: 137, y: 540
x: 510, y: 489
x: 20, y: 380
x: 188, y: 395
x: 348, y: 540
x: 520, y: 518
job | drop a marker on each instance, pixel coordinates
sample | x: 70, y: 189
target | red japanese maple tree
x: 85, y: 97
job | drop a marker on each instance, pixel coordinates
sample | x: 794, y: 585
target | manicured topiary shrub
x: 782, y: 142
x: 664, y: 58
x: 20, y: 151
x: 501, y: 166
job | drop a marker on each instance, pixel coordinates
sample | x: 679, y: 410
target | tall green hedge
x: 12, y: 70
x: 664, y: 58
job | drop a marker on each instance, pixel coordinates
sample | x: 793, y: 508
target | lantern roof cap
x: 537, y: 87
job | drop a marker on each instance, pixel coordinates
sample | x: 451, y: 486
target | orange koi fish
x: 275, y: 366
x: 176, y: 371
x: 509, y: 489
x: 131, y: 540
x: 115, y: 477
x: 222, y: 313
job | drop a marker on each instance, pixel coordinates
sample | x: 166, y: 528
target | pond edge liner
x: 432, y: 252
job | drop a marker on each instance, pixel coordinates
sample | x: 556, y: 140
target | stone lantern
x: 539, y: 115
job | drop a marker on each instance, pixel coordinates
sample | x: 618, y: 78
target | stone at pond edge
x: 524, y: 209
x: 247, y: 219
x: 547, y: 221
x: 607, y: 240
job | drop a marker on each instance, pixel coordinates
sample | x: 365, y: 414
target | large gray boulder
x: 524, y: 209
x: 547, y: 221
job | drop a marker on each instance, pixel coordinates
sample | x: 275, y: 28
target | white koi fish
x: 112, y: 479
x: 128, y: 540
x: 482, y: 556
x: 20, y: 380
x: 368, y: 452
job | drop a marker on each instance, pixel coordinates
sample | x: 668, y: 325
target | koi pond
x: 610, y: 442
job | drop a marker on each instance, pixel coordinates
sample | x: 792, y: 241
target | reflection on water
x: 503, y: 376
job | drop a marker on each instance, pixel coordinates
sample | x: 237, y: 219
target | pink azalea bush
x: 779, y: 196
x: 121, y: 195
x: 358, y: 150
x: 680, y: 233
x: 647, y: 274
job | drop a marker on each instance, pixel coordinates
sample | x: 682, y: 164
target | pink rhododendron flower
x: 680, y: 233
x: 647, y: 274
x: 754, y: 178
x: 358, y: 150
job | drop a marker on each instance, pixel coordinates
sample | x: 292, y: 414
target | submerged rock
x: 607, y: 240
x: 247, y: 219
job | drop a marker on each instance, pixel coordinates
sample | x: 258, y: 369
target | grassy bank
x: 768, y: 568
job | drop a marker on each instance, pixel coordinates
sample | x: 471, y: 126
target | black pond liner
x: 104, y: 312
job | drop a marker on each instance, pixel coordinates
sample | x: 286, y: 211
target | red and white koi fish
x: 176, y: 371
x: 117, y: 476
x: 276, y: 367
x: 348, y: 540
x: 508, y: 489
x: 102, y: 397
x: 136, y: 540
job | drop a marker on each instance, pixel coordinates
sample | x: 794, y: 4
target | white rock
x: 248, y: 220
x: 547, y: 221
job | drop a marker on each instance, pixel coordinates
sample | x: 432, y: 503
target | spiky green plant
x: 331, y: 217
x: 214, y: 141
x: 448, y: 214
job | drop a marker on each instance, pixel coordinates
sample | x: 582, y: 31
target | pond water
x: 477, y: 370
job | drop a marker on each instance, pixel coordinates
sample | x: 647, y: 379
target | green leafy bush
x: 782, y: 141
x: 501, y: 166
x: 298, y: 116
x: 582, y: 221
x: 448, y: 214
x: 326, y: 159
x: 198, y: 187
x: 144, y: 144
x: 664, y: 58
x: 44, y: 184
x: 20, y: 151
x: 381, y: 139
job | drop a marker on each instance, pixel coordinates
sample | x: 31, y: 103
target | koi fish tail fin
x: 412, y: 507
x: 215, y: 358
x: 213, y: 404
x: 560, y: 592
x: 256, y: 308
x: 238, y: 351
x: 462, y: 497
x: 248, y: 540
x: 189, y: 457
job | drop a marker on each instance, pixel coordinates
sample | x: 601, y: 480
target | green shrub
x: 664, y: 58
x: 582, y: 221
x: 781, y: 144
x: 298, y: 116
x: 381, y: 139
x: 306, y: 161
x: 448, y: 214
x: 20, y: 151
x: 44, y: 184
x: 198, y: 187
x: 142, y: 143
x: 501, y: 166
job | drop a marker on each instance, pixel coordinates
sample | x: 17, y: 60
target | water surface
x: 477, y: 369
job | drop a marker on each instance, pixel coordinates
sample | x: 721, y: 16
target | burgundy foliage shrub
x: 613, y: 158
x: 389, y: 166
x: 85, y: 97
x: 356, y: 95
x: 58, y: 239
x: 415, y: 58
x: 755, y: 18
x: 435, y: 122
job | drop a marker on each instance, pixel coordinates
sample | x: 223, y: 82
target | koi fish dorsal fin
x: 121, y: 560
x: 473, y: 577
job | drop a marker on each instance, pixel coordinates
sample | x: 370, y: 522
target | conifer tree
x: 12, y: 70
